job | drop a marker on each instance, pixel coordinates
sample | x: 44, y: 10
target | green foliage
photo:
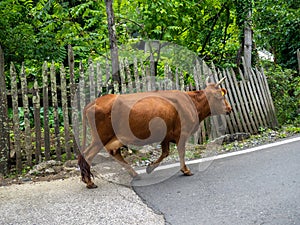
x: 31, y: 111
x: 292, y: 129
x: 34, y: 31
x: 207, y: 28
x: 277, y: 26
x: 285, y: 90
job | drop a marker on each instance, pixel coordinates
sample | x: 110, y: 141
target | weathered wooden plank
x: 16, y: 120
x: 233, y: 122
x: 37, y: 123
x: 272, y: 121
x: 4, y: 127
x: 236, y: 101
x: 148, y: 79
x: 167, y: 82
x: 91, y: 80
x: 136, y: 75
x: 128, y: 76
x: 208, y: 128
x: 152, y: 64
x: 81, y: 98
x: 259, y: 98
x: 143, y: 77
x: 255, y: 99
x: 177, y: 87
x: 248, y: 106
x: 264, y: 103
x: 123, y: 78
x: 64, y: 101
x: 99, y: 79
x: 82, y: 94
x: 28, y: 147
x: 200, y: 75
x: 196, y: 78
x: 46, y: 111
x: 181, y: 81
x: 108, y: 76
x: 270, y: 100
x: 251, y: 96
x: 215, y: 74
x: 55, y: 111
x: 73, y: 96
x: 75, y: 123
x: 244, y: 116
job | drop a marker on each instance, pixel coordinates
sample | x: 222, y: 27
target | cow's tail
x: 85, y: 168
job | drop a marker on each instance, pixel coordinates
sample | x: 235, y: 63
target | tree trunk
x: 113, y: 42
x: 4, y: 135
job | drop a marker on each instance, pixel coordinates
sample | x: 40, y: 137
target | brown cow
x: 145, y: 118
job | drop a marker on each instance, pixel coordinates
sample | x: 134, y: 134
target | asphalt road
x: 261, y: 187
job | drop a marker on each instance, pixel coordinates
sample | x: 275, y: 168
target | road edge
x: 225, y: 155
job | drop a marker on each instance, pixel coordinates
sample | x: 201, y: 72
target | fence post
x: 16, y: 119
x: 55, y: 111
x: 46, y: 111
x: 37, y: 122
x: 74, y: 100
x: 28, y: 141
x: 4, y: 137
x: 64, y: 101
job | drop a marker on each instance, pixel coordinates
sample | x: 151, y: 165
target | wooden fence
x: 44, y: 120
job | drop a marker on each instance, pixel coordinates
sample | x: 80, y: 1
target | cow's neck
x: 201, y: 104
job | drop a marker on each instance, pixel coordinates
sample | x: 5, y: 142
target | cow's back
x: 144, y: 118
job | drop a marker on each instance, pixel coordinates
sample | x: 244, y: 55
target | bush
x: 285, y: 90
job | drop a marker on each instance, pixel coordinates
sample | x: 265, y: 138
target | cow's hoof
x: 150, y: 168
x: 137, y: 177
x: 91, y: 186
x: 187, y: 173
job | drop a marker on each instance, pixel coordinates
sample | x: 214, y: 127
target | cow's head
x: 216, y: 98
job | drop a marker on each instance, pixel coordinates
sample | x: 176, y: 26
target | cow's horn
x: 217, y: 84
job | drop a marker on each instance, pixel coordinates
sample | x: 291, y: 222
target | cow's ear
x: 224, y: 91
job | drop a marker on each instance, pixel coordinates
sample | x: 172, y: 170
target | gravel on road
x: 70, y: 202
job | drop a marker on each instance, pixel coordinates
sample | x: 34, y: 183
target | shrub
x: 285, y: 90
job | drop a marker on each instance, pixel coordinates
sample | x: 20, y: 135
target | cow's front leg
x: 183, y: 167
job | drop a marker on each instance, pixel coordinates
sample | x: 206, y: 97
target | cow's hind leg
x: 113, y: 148
x: 84, y: 162
x: 165, y: 146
